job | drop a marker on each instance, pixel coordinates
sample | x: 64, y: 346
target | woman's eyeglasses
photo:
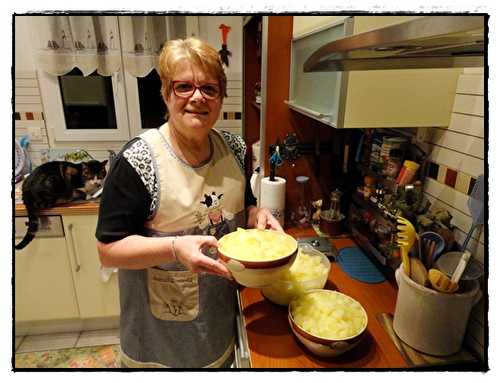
x: 186, y: 89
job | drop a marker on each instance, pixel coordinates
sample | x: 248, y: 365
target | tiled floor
x: 60, y: 341
x: 86, y: 349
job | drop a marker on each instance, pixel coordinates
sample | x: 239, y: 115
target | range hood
x: 423, y: 42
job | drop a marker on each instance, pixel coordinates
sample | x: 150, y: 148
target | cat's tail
x: 30, y: 234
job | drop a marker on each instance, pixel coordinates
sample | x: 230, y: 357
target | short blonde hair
x: 196, y: 52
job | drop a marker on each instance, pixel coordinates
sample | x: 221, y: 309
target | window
x: 107, y: 108
x: 91, y: 108
x: 152, y: 107
x: 87, y: 101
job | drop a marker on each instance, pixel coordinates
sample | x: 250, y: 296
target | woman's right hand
x: 189, y: 252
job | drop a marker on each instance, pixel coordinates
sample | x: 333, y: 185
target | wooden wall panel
x: 280, y: 120
x: 252, y: 74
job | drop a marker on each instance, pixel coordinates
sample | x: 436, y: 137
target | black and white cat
x: 57, y: 182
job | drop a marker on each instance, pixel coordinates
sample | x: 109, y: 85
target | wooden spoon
x: 418, y: 272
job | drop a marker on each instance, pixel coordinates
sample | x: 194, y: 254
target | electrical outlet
x: 35, y: 133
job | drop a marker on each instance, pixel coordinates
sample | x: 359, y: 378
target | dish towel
x: 356, y: 264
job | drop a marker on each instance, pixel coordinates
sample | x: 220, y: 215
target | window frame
x: 125, y: 97
x: 54, y: 112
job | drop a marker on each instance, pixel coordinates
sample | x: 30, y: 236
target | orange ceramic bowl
x: 257, y: 272
x: 326, y: 347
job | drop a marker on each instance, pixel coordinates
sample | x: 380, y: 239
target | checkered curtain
x: 89, y: 43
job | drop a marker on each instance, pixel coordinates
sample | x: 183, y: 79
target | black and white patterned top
x: 139, y: 157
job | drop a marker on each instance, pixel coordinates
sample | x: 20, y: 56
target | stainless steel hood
x: 423, y: 42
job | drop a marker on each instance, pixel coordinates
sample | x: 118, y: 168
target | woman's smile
x: 196, y: 112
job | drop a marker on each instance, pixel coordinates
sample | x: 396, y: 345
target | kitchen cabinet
x: 400, y: 98
x: 43, y: 284
x: 266, y: 59
x: 58, y: 280
x: 252, y: 53
x: 266, y: 42
x: 96, y: 297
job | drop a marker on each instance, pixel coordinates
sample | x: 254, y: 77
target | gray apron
x: 171, y: 317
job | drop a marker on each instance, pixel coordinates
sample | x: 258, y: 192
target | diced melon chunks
x: 329, y: 315
x: 307, y: 272
x: 256, y: 245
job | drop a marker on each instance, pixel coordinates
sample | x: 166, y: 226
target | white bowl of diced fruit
x: 327, y: 322
x: 256, y: 257
x: 309, y: 271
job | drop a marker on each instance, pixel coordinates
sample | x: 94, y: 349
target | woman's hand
x: 262, y: 218
x: 188, y: 251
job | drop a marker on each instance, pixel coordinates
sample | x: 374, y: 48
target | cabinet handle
x: 75, y: 251
x: 322, y: 116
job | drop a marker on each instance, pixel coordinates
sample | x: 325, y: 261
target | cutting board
x: 415, y: 358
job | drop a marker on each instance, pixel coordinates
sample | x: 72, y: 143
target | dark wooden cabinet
x: 266, y: 60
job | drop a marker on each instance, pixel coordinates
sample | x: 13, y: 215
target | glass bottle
x: 302, y: 214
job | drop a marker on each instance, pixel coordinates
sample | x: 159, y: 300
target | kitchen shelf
x: 363, y: 235
x: 366, y: 99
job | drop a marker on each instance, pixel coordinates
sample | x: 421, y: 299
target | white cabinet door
x: 43, y: 282
x: 97, y: 298
x: 403, y: 98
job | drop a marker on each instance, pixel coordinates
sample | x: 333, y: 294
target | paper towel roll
x: 272, y: 197
x: 255, y: 155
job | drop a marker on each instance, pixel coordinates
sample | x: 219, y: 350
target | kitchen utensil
x: 405, y: 238
x: 430, y: 321
x: 448, y: 262
x: 476, y: 208
x: 431, y: 254
x: 321, y: 244
x: 457, y: 274
x: 440, y: 282
x: 418, y: 272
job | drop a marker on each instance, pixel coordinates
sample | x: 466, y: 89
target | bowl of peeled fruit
x: 309, y: 271
x: 327, y: 322
x: 256, y: 257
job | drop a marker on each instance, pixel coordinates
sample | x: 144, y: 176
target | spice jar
x: 393, y: 163
x: 369, y: 187
x: 407, y: 173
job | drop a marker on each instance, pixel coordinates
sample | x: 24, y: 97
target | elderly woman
x: 169, y: 195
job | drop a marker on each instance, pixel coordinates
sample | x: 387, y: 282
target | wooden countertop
x: 74, y: 208
x: 273, y: 345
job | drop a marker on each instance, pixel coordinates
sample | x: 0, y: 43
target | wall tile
x: 462, y: 183
x: 442, y: 174
x: 450, y: 178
